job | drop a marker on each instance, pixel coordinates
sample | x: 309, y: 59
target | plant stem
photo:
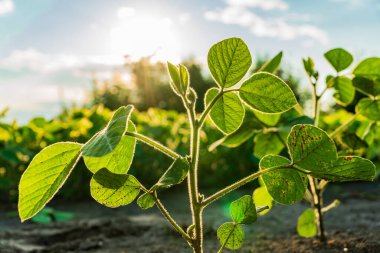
x: 343, y: 126
x: 167, y: 151
x: 170, y: 219
x: 318, y: 205
x: 238, y: 184
x: 195, y: 206
x: 166, y: 213
x: 314, y: 184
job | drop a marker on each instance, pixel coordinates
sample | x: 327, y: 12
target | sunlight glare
x: 138, y: 35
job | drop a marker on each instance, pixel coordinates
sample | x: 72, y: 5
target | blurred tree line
x: 148, y: 85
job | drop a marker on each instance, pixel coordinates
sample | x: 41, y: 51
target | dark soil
x: 352, y: 227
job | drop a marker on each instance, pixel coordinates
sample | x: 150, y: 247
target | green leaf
x: 369, y: 108
x: 272, y: 65
x: 228, y: 111
x: 369, y: 68
x: 344, y: 91
x: 243, y: 210
x: 184, y: 78
x: 311, y: 148
x: 308, y: 65
x: 235, y: 139
x: 261, y: 197
x: 119, y: 160
x: 267, y: 93
x: 285, y: 185
x: 306, y: 224
x: 146, y: 201
x: 114, y: 190
x: 45, y: 175
x: 228, y: 61
x: 348, y: 168
x: 175, y: 79
x: 269, y: 119
x: 176, y: 173
x: 330, y: 79
x: 339, y: 58
x: 266, y: 144
x: 105, y: 141
x: 367, y: 86
x: 231, y: 235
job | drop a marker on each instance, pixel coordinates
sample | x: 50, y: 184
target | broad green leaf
x: 267, y: 93
x: 114, y: 190
x: 339, y: 58
x: 344, y: 91
x: 267, y: 144
x: 269, y: 119
x: 261, y: 197
x: 228, y: 111
x: 176, y: 173
x: 311, y: 148
x: 243, y: 210
x: 369, y: 68
x: 272, y: 65
x: 348, y: 168
x: 228, y: 61
x: 231, y: 235
x: 175, y: 79
x: 45, y: 175
x: 105, y: 141
x: 119, y: 160
x: 367, y: 86
x: 285, y: 185
x: 145, y: 201
x: 306, y: 224
x: 369, y: 108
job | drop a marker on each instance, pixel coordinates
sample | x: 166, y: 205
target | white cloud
x: 6, y: 6
x: 275, y: 27
x: 35, y: 61
x: 125, y: 12
x: 265, y: 5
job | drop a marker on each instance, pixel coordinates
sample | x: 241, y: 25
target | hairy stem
x: 318, y: 205
x: 314, y: 184
x: 238, y: 184
x: 196, y: 208
x: 166, y: 213
x: 167, y: 151
x: 170, y: 219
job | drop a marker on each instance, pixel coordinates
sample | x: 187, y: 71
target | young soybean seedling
x: 109, y: 153
x: 365, y: 79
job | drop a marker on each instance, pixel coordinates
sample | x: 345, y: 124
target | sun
x: 141, y: 34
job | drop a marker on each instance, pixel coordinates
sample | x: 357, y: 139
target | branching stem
x: 238, y: 184
x: 167, y: 151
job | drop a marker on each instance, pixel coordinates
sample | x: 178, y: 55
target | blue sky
x: 50, y: 49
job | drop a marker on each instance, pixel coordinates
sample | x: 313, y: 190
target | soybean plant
x: 109, y: 153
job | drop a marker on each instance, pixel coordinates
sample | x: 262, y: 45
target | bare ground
x: 353, y: 227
